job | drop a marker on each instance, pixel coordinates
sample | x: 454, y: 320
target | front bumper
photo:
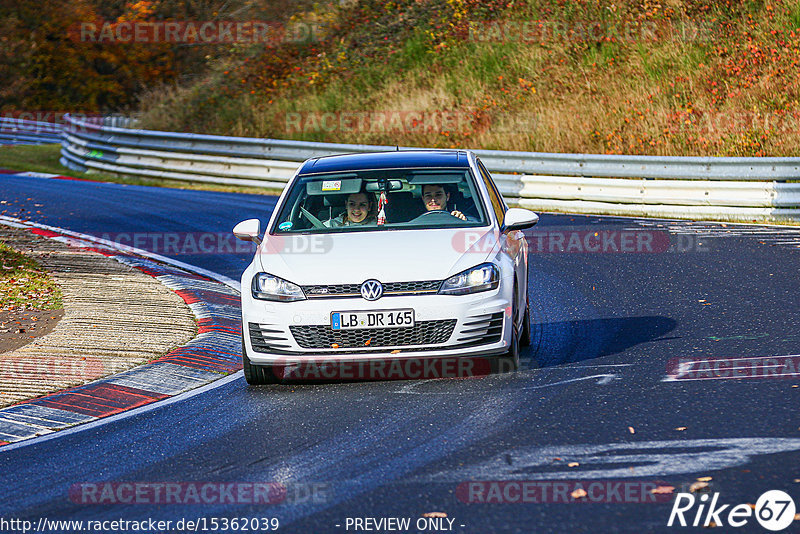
x: 481, y: 326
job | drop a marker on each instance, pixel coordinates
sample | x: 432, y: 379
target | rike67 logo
x: 774, y: 510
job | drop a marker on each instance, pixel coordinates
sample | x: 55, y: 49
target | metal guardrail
x: 23, y: 131
x: 14, y: 130
x: 743, y: 189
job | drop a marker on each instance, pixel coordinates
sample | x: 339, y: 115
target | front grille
x: 341, y: 290
x: 389, y: 289
x: 481, y: 330
x: 412, y: 287
x: 423, y: 333
x: 267, y: 338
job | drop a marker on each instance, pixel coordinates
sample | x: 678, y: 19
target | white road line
x: 758, y: 377
x: 604, y: 379
x: 731, y: 359
x: 591, y: 366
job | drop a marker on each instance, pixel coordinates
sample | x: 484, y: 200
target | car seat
x: 403, y: 207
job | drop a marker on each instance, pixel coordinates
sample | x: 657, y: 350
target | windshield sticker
x: 285, y: 225
x: 332, y: 185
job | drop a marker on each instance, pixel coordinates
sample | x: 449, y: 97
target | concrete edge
x: 213, y: 354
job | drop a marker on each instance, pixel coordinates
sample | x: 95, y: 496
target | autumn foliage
x: 705, y: 77
x: 45, y: 69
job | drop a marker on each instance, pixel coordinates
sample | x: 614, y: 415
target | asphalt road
x: 592, y: 392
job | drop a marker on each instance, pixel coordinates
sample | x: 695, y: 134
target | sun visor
x: 423, y: 178
x: 334, y: 184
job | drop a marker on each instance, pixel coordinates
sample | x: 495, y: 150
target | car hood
x: 388, y: 256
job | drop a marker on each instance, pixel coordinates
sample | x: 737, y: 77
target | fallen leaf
x: 578, y: 493
x: 710, y: 525
x: 573, y: 464
x: 751, y: 505
x: 662, y: 490
x: 681, y: 428
x: 704, y: 479
x: 631, y: 430
x: 434, y: 514
x: 797, y: 517
x: 697, y: 486
x: 557, y: 459
x: 796, y: 481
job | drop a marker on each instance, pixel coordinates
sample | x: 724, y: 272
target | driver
x: 435, y: 197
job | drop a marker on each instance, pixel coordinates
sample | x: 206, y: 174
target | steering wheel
x: 442, y: 214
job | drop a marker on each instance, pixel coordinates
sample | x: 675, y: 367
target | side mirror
x: 249, y: 230
x: 519, y: 219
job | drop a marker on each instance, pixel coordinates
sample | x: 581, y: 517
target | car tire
x: 509, y: 362
x: 525, y: 338
x: 256, y: 375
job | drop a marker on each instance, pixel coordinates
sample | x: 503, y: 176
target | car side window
x: 498, y: 205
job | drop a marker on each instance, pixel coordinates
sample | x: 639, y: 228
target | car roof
x: 401, y: 159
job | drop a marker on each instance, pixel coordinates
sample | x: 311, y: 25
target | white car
x: 407, y: 255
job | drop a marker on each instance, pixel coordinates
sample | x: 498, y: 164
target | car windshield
x: 381, y: 200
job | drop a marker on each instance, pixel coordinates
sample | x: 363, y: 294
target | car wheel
x: 256, y: 375
x: 525, y: 339
x: 509, y: 362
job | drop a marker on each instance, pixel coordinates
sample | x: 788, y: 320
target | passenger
x: 435, y: 197
x: 362, y: 210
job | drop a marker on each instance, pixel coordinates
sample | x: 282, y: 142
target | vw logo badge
x: 371, y: 290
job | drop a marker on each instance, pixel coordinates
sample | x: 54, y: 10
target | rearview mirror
x: 519, y: 219
x: 249, y: 230
x: 384, y: 185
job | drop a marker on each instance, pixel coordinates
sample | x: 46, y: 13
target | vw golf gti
x: 392, y: 255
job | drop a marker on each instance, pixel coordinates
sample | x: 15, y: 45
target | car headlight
x: 481, y: 278
x: 268, y: 287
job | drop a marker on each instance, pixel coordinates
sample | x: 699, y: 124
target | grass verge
x: 25, y: 285
x: 680, y: 78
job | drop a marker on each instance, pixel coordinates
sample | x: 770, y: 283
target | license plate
x: 372, y: 319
